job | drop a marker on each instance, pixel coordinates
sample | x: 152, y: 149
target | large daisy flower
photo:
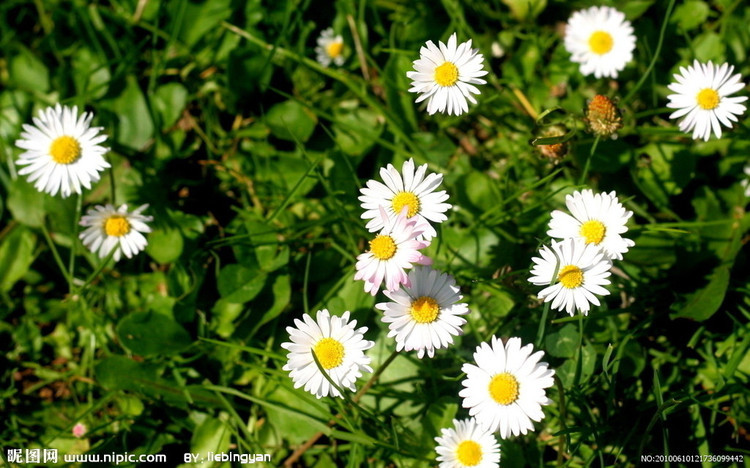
x: 597, y: 219
x: 446, y: 76
x: 411, y: 189
x: 392, y: 251
x: 109, y: 228
x: 573, y: 272
x: 504, y: 391
x: 468, y: 445
x: 330, y: 48
x: 338, y: 346
x: 425, y: 315
x: 702, y: 96
x: 601, y: 40
x: 63, y: 152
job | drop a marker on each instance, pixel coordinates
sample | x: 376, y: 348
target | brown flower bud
x: 602, y: 116
x: 555, y: 151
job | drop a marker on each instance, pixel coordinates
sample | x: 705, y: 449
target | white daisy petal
x: 506, y: 400
x: 62, y: 153
x: 108, y: 228
x: 443, y: 75
x: 703, y: 97
x: 338, y: 346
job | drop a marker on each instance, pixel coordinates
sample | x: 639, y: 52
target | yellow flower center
x: 116, y: 226
x: 383, y: 247
x: 600, y: 42
x: 504, y: 388
x: 403, y: 199
x: 334, y: 49
x: 446, y: 74
x: 65, y: 150
x: 424, y: 310
x: 330, y: 353
x: 570, y: 276
x: 708, y: 99
x: 593, y: 231
x: 469, y: 453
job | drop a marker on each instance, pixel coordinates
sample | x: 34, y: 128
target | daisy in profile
x: 330, y: 48
x: 505, y: 389
x: 445, y: 75
x: 108, y: 228
x: 338, y: 346
x: 601, y: 40
x: 425, y: 315
x: 573, y: 272
x: 63, y: 151
x: 703, y: 96
x: 597, y: 219
x: 415, y: 190
x: 467, y: 445
x: 393, y: 250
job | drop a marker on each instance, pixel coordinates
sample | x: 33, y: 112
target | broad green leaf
x: 240, y: 284
x: 164, y: 244
x: 292, y: 121
x: 563, y: 343
x: 29, y: 72
x: 169, y: 101
x: 16, y: 256
x: 690, y: 14
x: 198, y: 18
x: 357, y: 130
x: 525, y: 10
x: 149, y: 333
x: 90, y: 76
x: 135, y: 127
x: 26, y: 203
x: 212, y: 435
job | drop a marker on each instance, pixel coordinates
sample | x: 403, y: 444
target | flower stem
x: 56, y: 254
x: 588, y: 161
x: 74, y: 241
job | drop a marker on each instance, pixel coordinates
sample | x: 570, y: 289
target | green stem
x: 99, y: 269
x: 645, y: 75
x: 74, y: 240
x: 588, y: 160
x: 56, y: 254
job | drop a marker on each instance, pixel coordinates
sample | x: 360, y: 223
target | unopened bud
x: 555, y: 151
x: 603, y: 117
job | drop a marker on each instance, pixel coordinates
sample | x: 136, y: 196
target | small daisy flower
x: 63, y: 151
x: 108, y: 228
x: 338, y: 346
x: 394, y: 249
x: 330, y: 48
x: 468, y: 445
x: 581, y: 269
x: 504, y: 391
x: 79, y: 430
x: 601, y: 40
x: 425, y: 315
x: 597, y: 219
x: 410, y: 188
x: 702, y: 96
x: 446, y: 76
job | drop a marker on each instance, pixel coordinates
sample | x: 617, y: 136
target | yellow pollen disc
x: 593, y: 231
x: 65, y: 150
x: 116, y: 226
x: 330, y: 353
x: 403, y: 199
x: 707, y: 99
x: 570, y: 276
x: 446, y: 74
x: 334, y: 49
x: 383, y: 247
x: 504, y: 388
x: 424, y: 310
x: 469, y: 453
x: 600, y: 42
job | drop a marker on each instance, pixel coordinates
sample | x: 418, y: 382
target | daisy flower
x: 108, y: 228
x: 330, y: 48
x: 504, y: 391
x: 410, y: 188
x: 62, y: 151
x: 597, y: 219
x: 446, y: 76
x: 425, y: 315
x: 338, y: 346
x: 702, y: 96
x: 601, y: 40
x: 468, y: 445
x: 395, y: 248
x: 581, y: 269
